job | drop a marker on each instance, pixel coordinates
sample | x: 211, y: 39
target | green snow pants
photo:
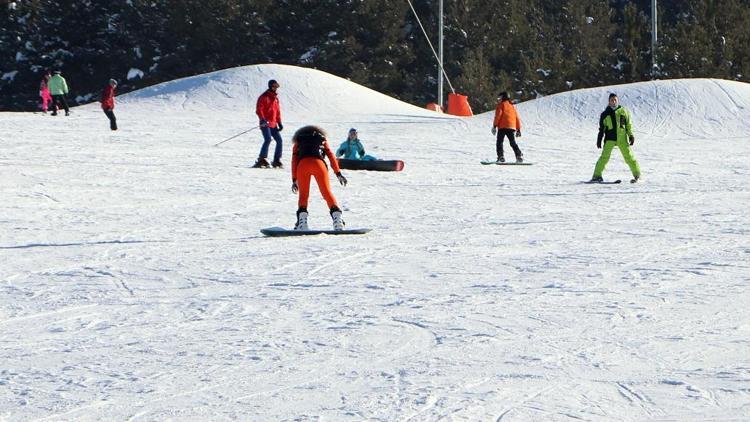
x: 626, y: 154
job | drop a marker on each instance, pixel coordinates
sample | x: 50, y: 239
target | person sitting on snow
x: 352, y: 148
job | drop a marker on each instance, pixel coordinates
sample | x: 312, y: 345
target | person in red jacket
x: 269, y: 115
x: 108, y: 103
x: 309, y: 149
x: 509, y: 124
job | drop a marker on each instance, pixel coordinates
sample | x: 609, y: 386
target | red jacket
x: 268, y: 108
x: 108, y: 98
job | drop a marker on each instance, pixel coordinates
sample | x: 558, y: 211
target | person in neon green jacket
x: 58, y: 88
x: 616, y: 130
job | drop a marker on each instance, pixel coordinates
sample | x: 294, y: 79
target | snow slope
x: 135, y: 285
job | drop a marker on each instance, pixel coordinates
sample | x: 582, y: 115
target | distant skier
x: 44, y: 91
x: 615, y: 128
x: 108, y: 103
x: 309, y: 149
x: 352, y: 148
x: 269, y: 113
x: 506, y: 123
x: 58, y: 88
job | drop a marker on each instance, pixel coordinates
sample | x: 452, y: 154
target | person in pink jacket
x: 44, y: 91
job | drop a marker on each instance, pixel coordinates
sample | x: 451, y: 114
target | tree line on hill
x: 527, y: 47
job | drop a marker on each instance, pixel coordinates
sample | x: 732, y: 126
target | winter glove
x: 632, y: 139
x: 341, y: 178
x: 263, y: 123
x: 599, y: 140
x: 295, y: 188
x: 494, y: 130
x: 518, y: 133
x: 279, y: 126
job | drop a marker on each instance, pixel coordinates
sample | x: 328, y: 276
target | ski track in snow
x: 135, y: 284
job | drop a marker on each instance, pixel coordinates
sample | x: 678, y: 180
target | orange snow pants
x: 313, y: 167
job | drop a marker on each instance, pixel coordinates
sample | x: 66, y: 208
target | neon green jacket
x: 615, y: 124
x: 57, y: 85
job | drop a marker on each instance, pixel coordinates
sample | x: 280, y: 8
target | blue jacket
x: 351, y: 150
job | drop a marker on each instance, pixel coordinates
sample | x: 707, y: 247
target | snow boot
x: 500, y: 159
x: 635, y: 178
x: 338, y: 220
x: 519, y: 159
x: 277, y: 165
x: 301, y: 220
x: 597, y: 179
x: 261, y: 163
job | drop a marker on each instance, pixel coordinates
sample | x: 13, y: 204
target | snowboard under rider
x: 506, y: 123
x: 352, y: 148
x: 269, y: 121
x: 616, y: 130
x: 309, y: 149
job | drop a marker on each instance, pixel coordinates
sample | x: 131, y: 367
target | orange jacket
x: 506, y: 116
x: 328, y: 153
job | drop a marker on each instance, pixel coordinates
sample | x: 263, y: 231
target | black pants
x: 511, y: 134
x: 112, y: 120
x: 57, y: 101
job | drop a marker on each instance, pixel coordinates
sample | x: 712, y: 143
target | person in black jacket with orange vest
x: 309, y: 149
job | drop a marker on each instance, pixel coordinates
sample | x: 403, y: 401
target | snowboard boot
x: 338, y: 220
x: 261, y: 163
x: 500, y: 159
x: 519, y: 159
x: 277, y: 165
x: 301, y: 220
x: 635, y: 178
x: 597, y: 179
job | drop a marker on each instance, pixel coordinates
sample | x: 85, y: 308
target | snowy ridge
x: 135, y: 285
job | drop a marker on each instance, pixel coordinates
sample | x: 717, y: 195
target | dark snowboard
x: 374, y: 165
x: 606, y: 182
x: 507, y: 163
x: 281, y: 232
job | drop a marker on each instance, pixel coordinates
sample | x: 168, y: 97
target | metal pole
x: 654, y: 38
x: 440, y: 49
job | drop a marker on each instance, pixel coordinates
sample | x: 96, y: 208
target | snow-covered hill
x: 134, y: 284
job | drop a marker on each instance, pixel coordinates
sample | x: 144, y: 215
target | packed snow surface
x: 135, y: 284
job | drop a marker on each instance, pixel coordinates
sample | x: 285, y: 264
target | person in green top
x: 58, y: 88
x: 616, y: 129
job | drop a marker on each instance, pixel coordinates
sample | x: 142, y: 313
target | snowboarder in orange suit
x: 309, y: 149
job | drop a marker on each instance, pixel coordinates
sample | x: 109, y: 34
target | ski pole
x: 241, y: 133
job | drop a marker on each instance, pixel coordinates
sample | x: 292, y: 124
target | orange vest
x: 506, y: 116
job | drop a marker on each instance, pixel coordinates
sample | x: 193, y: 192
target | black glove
x: 279, y: 126
x: 632, y: 139
x: 599, y: 140
x: 341, y: 178
x: 518, y: 133
x: 263, y: 123
x: 295, y: 188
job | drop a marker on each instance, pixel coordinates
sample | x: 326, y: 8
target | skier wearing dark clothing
x: 506, y: 123
x: 108, y: 103
x: 269, y: 115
